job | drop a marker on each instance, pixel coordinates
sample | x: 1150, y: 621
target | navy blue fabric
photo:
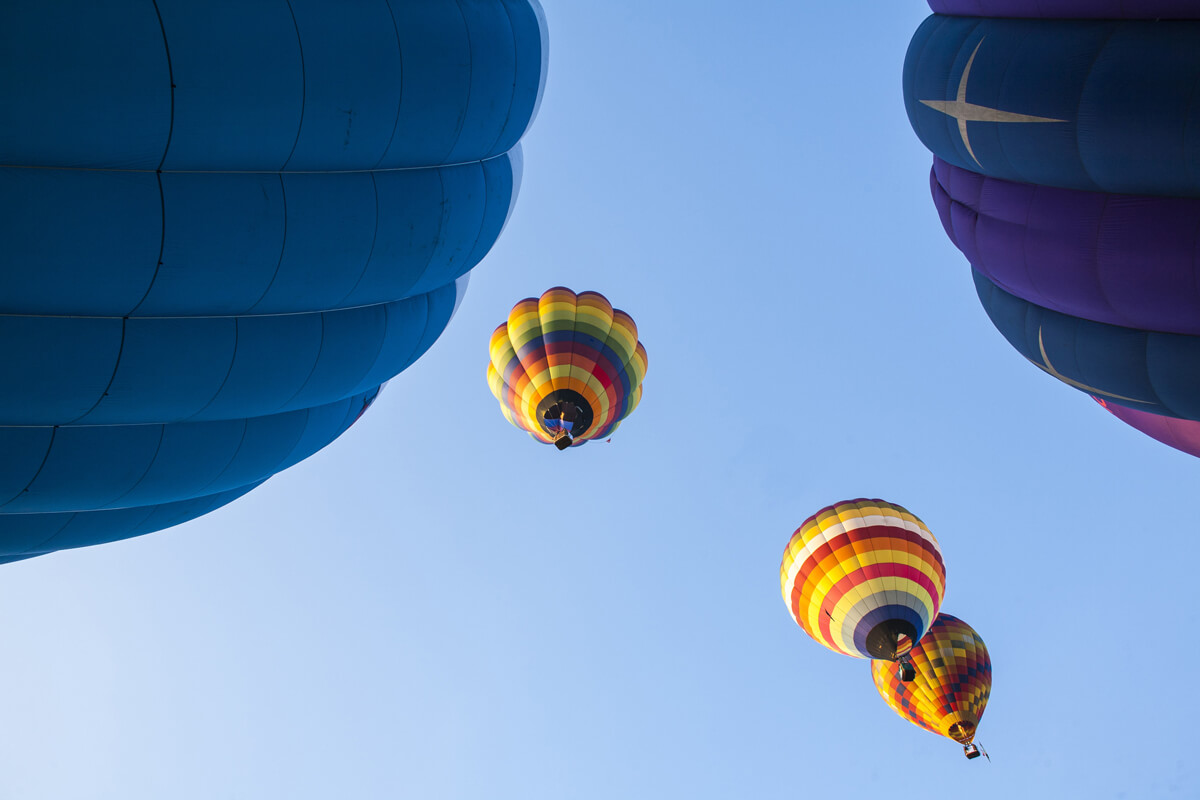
x: 1145, y: 370
x: 26, y: 535
x: 1130, y: 260
x: 1127, y: 92
x: 112, y: 371
x: 75, y: 468
x: 223, y: 225
x: 353, y: 83
x: 64, y: 66
x: 89, y: 242
x: 533, y: 59
x: 267, y: 85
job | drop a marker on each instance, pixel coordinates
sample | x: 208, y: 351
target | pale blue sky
x: 437, y: 607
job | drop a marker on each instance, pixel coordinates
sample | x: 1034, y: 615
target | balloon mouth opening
x: 963, y: 733
x: 565, y: 412
x: 892, y: 639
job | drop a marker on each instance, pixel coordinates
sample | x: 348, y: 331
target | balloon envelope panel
x: 134, y: 244
x: 1128, y: 260
x: 1149, y: 371
x: 860, y: 565
x: 952, y: 684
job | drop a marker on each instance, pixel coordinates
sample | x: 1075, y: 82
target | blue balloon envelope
x: 1067, y: 171
x: 224, y: 226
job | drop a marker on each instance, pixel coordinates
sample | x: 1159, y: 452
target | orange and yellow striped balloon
x: 864, y: 578
x: 953, y: 683
x: 567, y: 348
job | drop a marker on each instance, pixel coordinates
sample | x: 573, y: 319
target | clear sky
x: 436, y: 606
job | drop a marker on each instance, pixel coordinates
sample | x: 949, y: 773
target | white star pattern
x: 966, y: 112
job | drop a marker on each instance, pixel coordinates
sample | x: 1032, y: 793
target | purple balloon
x: 1182, y: 434
x: 1126, y: 260
x: 1070, y: 9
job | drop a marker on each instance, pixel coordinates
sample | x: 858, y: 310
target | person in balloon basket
x: 560, y: 420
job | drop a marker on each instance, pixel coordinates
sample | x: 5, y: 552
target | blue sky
x: 437, y: 607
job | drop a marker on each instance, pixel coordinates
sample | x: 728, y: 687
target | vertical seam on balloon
x: 467, y: 252
x: 282, y: 246
x: 479, y: 230
x: 371, y: 252
x: 162, y: 430
x: 466, y: 108
x: 1029, y: 273
x: 1100, y: 223
x: 507, y: 396
x: 571, y: 360
x: 365, y: 380
x: 1183, y: 138
x: 512, y: 28
x: 303, y: 85
x: 415, y: 352
x: 228, y: 370
x: 1112, y: 29
x: 413, y: 355
x: 604, y: 424
x: 400, y: 100
x: 418, y: 284
x: 543, y: 61
x: 111, y: 378
x: 282, y: 463
x: 37, y: 548
x: 41, y: 466
x: 232, y: 459
x: 312, y: 370
x: 162, y: 244
x: 623, y: 376
x: 997, y: 127
x: 943, y: 122
x: 1148, y: 338
x: 1195, y: 272
x: 170, y: 77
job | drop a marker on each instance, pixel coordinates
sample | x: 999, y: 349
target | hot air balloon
x: 864, y: 578
x: 1067, y: 171
x: 567, y: 367
x: 224, y: 226
x: 952, y: 683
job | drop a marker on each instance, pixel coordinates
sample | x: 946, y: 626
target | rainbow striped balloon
x: 567, y: 368
x: 954, y: 680
x: 864, y: 578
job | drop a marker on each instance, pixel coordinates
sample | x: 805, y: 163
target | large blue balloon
x: 1067, y: 170
x: 223, y: 225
